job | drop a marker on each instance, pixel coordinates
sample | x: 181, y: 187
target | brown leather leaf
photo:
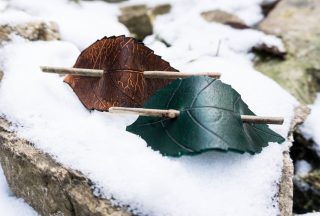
x: 123, y: 60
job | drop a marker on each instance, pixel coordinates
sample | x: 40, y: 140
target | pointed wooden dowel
x: 261, y: 119
x: 147, y: 74
x: 73, y: 71
x: 145, y: 112
x: 171, y: 113
x: 175, y: 75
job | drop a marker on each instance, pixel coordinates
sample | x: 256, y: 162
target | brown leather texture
x: 123, y: 60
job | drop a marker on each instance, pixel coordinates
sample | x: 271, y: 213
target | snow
x: 311, y: 127
x: 310, y: 214
x: 3, y: 5
x: 183, y: 34
x: 248, y: 10
x: 15, y: 17
x: 50, y: 115
x: 80, y: 23
x: 302, y: 167
x: 9, y: 204
x: 45, y: 110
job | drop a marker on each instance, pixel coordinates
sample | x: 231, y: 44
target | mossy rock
x: 294, y: 75
x: 296, y: 22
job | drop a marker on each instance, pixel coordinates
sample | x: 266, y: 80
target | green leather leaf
x: 209, y: 120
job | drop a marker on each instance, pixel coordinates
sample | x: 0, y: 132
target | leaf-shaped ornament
x: 210, y: 119
x: 123, y: 60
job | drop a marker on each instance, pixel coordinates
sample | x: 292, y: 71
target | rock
x: 52, y: 189
x: 160, y: 9
x: 47, y: 186
x: 306, y: 195
x: 268, y: 6
x: 301, y: 113
x: 296, y: 22
x: 307, y: 192
x: 263, y: 49
x: 286, y: 186
x: 223, y: 17
x: 31, y: 31
x: 306, y: 187
x: 137, y: 20
x: 1, y: 74
x: 301, y: 149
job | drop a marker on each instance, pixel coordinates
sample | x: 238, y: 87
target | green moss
x: 313, y: 179
x: 293, y: 75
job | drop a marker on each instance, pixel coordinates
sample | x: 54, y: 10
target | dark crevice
x: 268, y: 7
x: 306, y: 189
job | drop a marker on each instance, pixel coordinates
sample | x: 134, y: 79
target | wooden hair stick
x: 147, y: 74
x: 171, y: 113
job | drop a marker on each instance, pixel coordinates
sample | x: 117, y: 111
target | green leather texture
x: 209, y: 120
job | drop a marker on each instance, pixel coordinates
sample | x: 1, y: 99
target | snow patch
x: 311, y: 127
x: 302, y: 167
